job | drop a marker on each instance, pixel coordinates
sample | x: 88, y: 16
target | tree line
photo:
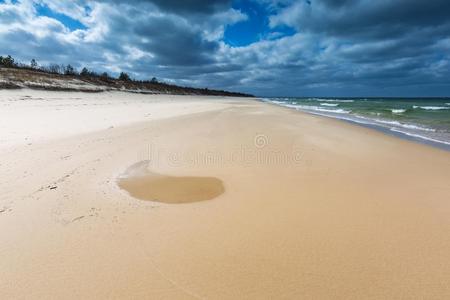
x: 69, y: 70
x: 122, y: 80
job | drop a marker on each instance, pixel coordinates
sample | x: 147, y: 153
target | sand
x: 312, y: 208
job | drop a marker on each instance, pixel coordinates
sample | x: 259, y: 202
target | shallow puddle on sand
x: 142, y: 184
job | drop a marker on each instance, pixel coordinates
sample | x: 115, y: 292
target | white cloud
x: 331, y: 47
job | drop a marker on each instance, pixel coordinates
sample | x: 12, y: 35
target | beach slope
x: 305, y: 206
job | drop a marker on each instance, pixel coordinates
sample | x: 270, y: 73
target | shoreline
x: 405, y: 136
x: 399, y: 134
x: 367, y: 124
x: 304, y: 207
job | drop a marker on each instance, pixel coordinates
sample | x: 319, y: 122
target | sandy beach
x: 295, y: 206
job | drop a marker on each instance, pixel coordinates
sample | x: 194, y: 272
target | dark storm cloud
x: 185, y: 7
x: 385, y: 43
x: 189, y: 6
x: 339, y: 47
x: 365, y: 18
x: 171, y: 41
x: 176, y: 44
x: 335, y: 3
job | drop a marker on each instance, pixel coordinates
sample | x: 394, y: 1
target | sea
x: 425, y: 120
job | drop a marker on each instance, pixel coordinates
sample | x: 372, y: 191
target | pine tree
x: 69, y: 70
x: 124, y: 76
x: 33, y: 64
x: 104, y: 76
x: 8, y: 62
x: 84, y: 72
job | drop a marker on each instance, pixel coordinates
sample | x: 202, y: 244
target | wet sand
x: 311, y: 207
x: 141, y: 183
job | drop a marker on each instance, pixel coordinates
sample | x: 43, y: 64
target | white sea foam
x: 404, y: 125
x: 387, y: 122
x: 277, y: 101
x: 420, y: 136
x: 317, y: 108
x: 329, y: 104
x: 410, y: 126
x: 373, y: 121
x: 345, y: 115
x: 332, y: 100
x: 310, y: 108
x: 267, y: 100
x: 431, y: 107
x: 370, y: 121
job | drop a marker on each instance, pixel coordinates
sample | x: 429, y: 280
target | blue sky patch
x: 72, y: 24
x: 255, y: 28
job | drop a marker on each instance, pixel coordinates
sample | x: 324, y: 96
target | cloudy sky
x: 265, y: 47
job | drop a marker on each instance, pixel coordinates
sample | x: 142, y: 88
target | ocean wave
x: 407, y: 129
x: 316, y: 108
x: 376, y: 122
x: 320, y: 110
x: 346, y: 118
x: 310, y: 108
x: 431, y: 107
x: 333, y: 100
x: 329, y: 104
x: 404, y: 125
x: 420, y: 136
x: 276, y: 101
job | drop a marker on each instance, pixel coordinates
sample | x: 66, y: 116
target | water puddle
x: 143, y: 184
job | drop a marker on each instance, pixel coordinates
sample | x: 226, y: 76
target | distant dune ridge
x: 66, y: 78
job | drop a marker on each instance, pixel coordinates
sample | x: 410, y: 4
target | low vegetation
x: 15, y: 74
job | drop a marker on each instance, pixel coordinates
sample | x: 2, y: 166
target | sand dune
x: 311, y: 207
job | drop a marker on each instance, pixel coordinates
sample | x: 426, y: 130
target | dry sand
x: 312, y: 208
